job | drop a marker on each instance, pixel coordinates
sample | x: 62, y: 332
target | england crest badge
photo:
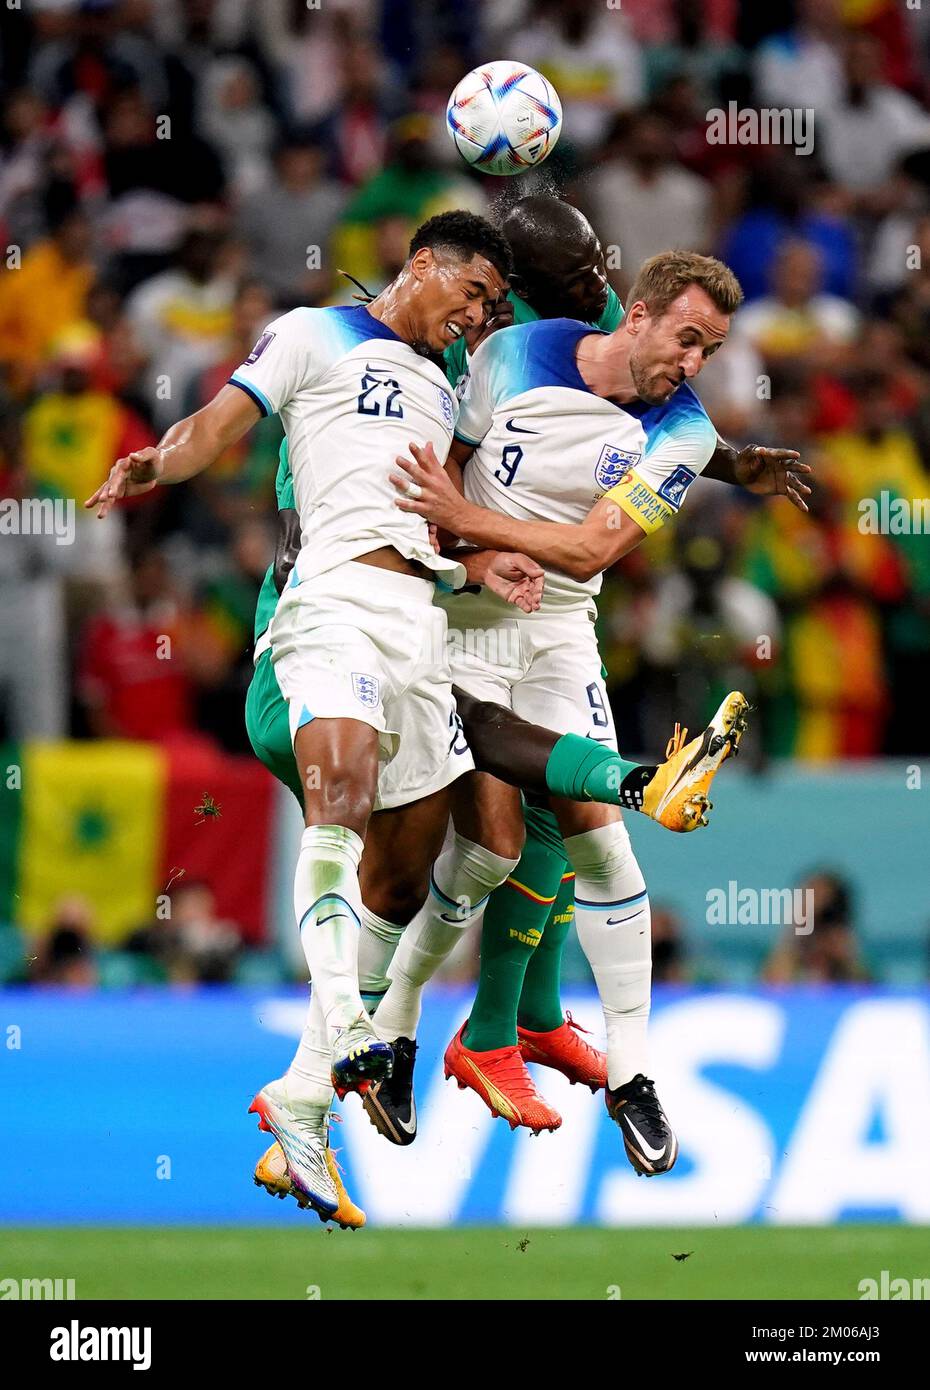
x: 366, y: 689
x: 612, y: 465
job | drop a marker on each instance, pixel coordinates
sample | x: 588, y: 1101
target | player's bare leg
x: 399, y: 847
x: 338, y: 764
x: 674, y: 792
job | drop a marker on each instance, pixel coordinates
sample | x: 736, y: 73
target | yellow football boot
x: 676, y: 796
x: 271, y: 1174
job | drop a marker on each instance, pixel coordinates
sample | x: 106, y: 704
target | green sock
x: 540, y: 1007
x: 514, y: 921
x: 584, y: 770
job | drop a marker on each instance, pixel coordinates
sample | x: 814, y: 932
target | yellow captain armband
x: 638, y: 500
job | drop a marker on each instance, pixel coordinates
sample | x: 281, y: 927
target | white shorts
x: 544, y: 666
x: 365, y: 643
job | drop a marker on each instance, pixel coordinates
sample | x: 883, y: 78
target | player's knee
x: 503, y: 837
x: 603, y: 855
x: 340, y: 796
x: 509, y: 842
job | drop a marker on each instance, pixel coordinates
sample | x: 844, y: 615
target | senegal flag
x: 115, y: 822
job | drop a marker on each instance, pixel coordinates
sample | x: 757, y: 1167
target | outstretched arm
x: 185, y: 450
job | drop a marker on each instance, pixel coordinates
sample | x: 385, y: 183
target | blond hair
x: 664, y: 277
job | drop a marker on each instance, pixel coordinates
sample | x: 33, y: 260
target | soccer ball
x: 504, y: 117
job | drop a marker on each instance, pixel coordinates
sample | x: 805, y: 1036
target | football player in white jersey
x: 578, y: 445
x: 359, y: 650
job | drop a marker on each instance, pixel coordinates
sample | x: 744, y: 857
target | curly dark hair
x: 467, y: 235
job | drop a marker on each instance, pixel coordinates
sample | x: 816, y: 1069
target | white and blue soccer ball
x: 504, y: 118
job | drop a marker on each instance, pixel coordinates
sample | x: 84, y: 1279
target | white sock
x: 308, y: 1076
x: 328, y: 905
x: 462, y: 879
x: 377, y: 942
x: 614, y: 930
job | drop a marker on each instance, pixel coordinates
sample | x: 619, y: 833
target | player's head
x: 457, y: 267
x: 558, y: 264
x: 677, y: 315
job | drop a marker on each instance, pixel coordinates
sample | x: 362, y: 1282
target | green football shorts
x: 267, y: 725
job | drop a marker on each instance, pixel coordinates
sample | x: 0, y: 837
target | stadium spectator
x: 94, y: 51
x: 410, y: 186
x: 670, y: 965
x: 706, y: 625
x: 69, y: 433
x: 785, y: 201
x: 65, y: 955
x: 224, y: 624
x: 234, y: 122
x: 142, y: 153
x: 591, y: 57
x: 48, y: 291
x: 910, y: 307
x: 797, y: 320
x: 134, y: 678
x: 288, y: 223
x: 865, y: 133
x: 642, y: 199
x: 902, y: 229
x: 355, y: 128
x: 802, y: 67
x: 826, y: 949
x: 696, y: 45
x: 118, y: 357
x: 189, y: 945
x: 309, y: 49
x: 242, y: 479
x: 24, y: 148
x: 182, y: 318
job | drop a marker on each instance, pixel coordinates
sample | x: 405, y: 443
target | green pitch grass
x: 579, y: 1263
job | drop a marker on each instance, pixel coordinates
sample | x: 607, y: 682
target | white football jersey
x: 547, y: 448
x: 351, y: 395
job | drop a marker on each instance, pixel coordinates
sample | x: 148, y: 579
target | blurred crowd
x: 173, y: 173
x: 195, y: 946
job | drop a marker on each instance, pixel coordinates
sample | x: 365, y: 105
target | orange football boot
x: 502, y: 1081
x: 563, y: 1050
